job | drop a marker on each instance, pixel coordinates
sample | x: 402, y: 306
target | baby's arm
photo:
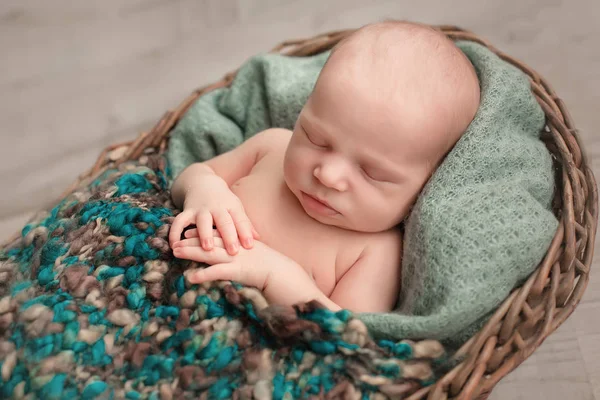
x: 372, y: 284
x: 230, y: 166
x: 282, y: 280
x: 202, y: 190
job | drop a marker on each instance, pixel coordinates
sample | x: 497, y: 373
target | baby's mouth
x: 317, y: 205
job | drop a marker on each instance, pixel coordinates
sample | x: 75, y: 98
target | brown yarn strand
x: 530, y: 313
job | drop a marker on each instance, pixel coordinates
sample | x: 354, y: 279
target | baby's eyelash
x: 367, y: 174
x: 312, y: 141
x: 371, y: 177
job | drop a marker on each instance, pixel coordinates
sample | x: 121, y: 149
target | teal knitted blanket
x: 480, y: 226
x: 93, y: 305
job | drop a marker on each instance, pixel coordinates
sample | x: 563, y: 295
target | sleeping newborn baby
x: 316, y: 210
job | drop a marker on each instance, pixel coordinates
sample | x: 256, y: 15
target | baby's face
x: 360, y: 154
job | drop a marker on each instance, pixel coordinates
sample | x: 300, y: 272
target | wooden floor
x: 76, y: 76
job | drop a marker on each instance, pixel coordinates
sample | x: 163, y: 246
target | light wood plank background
x: 76, y: 76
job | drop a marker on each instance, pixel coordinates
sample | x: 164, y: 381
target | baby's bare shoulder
x: 373, y: 282
x: 385, y: 246
x: 378, y: 247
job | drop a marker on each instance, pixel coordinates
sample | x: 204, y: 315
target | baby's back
x: 325, y: 251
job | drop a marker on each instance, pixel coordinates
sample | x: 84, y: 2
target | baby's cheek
x: 300, y: 163
x: 383, y: 210
x: 292, y: 177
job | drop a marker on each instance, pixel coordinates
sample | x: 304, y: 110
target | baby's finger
x: 186, y: 243
x: 243, y: 226
x: 226, y: 227
x: 192, y: 233
x: 204, y: 229
x: 255, y: 233
x: 191, y: 242
x: 182, y: 220
x: 196, y: 253
x: 219, y: 241
x: 218, y: 272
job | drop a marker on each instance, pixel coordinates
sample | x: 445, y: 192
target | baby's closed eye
x: 374, y: 175
x: 313, y: 140
x: 377, y: 175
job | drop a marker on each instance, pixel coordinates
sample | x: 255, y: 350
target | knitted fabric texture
x: 480, y: 226
x: 93, y: 305
x: 268, y: 91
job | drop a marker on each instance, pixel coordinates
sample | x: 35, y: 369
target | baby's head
x: 389, y: 104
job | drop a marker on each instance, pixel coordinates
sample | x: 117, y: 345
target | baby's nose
x: 333, y: 178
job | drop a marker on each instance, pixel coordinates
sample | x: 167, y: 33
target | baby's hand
x: 282, y: 280
x: 251, y: 267
x: 193, y: 234
x: 226, y: 213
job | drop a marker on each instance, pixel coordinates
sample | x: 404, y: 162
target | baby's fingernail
x: 192, y: 275
x: 248, y: 242
x: 233, y: 248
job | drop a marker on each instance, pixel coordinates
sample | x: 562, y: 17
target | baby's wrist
x: 203, y: 187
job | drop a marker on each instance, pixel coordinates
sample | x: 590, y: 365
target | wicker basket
x: 531, y: 312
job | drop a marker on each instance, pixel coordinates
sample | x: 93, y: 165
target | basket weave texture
x: 531, y: 312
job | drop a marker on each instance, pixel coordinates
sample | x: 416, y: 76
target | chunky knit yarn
x: 93, y: 305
